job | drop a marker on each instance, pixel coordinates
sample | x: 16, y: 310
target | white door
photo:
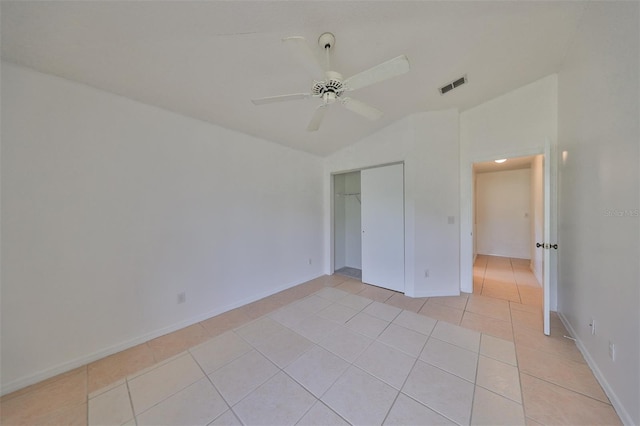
x: 546, y: 250
x: 382, y: 193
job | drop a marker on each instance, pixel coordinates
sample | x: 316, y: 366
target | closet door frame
x: 400, y: 283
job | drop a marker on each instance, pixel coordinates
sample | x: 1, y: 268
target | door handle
x: 547, y: 246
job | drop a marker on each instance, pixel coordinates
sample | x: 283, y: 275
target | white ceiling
x: 208, y: 59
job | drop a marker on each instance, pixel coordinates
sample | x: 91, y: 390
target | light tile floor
x: 334, y: 351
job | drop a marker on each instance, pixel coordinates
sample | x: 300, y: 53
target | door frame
x: 466, y: 240
x: 332, y: 195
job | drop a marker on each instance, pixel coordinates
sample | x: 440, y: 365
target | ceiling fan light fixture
x: 329, y: 97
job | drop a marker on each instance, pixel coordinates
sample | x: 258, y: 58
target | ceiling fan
x: 329, y: 86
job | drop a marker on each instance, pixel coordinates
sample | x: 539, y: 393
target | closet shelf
x: 356, y: 194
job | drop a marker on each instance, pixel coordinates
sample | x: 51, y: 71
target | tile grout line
x: 515, y: 281
x: 155, y: 367
x: 566, y: 388
x: 282, y: 370
x: 314, y: 344
x: 410, y: 370
x: 133, y: 412
x: 353, y: 364
x: 318, y: 399
x: 515, y: 349
x: 216, y: 389
x: 475, y: 380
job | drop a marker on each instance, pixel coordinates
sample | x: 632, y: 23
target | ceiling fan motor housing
x: 332, y: 85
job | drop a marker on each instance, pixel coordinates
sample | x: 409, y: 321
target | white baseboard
x: 433, y: 294
x: 624, y: 415
x: 86, y: 359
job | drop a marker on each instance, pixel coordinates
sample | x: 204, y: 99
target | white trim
x: 617, y: 405
x: 498, y: 255
x: 433, y: 294
x: 83, y: 360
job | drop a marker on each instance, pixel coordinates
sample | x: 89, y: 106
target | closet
x: 368, y: 225
x: 347, y: 225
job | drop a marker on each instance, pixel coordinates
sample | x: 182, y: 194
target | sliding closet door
x: 382, y: 190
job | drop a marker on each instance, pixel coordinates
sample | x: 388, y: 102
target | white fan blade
x: 318, y: 115
x: 281, y: 98
x: 307, y: 58
x: 361, y: 108
x: 383, y: 71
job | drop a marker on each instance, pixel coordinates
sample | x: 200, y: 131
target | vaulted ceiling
x: 207, y: 60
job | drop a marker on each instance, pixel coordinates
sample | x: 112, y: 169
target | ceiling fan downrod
x: 326, y: 41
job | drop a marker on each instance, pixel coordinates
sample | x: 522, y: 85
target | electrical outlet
x: 612, y: 350
x: 310, y: 261
x: 426, y: 273
x: 592, y: 324
x: 182, y: 297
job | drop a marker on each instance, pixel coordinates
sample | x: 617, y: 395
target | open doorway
x: 546, y: 248
x: 508, y: 220
x: 347, y: 225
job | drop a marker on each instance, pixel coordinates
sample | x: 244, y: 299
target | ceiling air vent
x: 456, y: 83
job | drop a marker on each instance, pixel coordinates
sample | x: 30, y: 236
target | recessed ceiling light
x: 502, y: 160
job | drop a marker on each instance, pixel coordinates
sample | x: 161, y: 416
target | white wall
x: 537, y: 215
x: 513, y: 125
x: 428, y: 145
x: 110, y: 208
x: 600, y: 197
x: 503, y: 204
